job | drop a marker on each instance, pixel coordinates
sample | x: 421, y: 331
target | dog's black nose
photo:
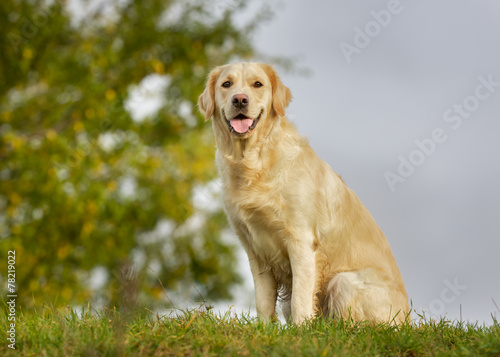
x: 240, y: 100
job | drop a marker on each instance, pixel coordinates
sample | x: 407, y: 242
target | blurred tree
x: 86, y: 185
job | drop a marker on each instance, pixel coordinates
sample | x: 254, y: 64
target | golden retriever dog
x: 310, y: 241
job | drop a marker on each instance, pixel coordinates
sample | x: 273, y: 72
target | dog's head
x: 243, y: 97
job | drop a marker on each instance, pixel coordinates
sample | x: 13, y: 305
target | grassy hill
x: 63, y: 332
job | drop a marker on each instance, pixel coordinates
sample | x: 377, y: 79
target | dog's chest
x: 257, y: 213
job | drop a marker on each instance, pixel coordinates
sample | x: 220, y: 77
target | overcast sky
x: 403, y: 101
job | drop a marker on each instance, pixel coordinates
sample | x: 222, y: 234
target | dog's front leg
x: 302, y: 260
x: 265, y: 291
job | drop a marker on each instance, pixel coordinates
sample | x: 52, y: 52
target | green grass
x: 62, y: 332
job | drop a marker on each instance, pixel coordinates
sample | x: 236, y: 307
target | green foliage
x: 196, y: 333
x: 69, y: 202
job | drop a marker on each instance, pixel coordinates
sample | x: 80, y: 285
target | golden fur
x: 309, y: 239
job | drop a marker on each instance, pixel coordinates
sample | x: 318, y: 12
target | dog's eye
x: 226, y: 84
x: 257, y: 84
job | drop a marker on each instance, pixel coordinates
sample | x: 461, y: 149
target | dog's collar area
x: 242, y: 117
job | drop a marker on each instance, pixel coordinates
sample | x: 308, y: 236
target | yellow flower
x: 51, y: 134
x: 110, y: 94
x: 158, y: 67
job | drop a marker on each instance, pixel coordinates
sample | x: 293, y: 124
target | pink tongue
x: 241, y: 125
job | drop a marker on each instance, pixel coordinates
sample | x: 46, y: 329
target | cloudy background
x: 402, y: 98
x: 375, y: 89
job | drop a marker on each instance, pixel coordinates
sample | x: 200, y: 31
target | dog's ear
x: 206, y: 101
x: 281, y: 94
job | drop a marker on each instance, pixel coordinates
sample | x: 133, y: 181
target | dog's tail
x: 339, y: 295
